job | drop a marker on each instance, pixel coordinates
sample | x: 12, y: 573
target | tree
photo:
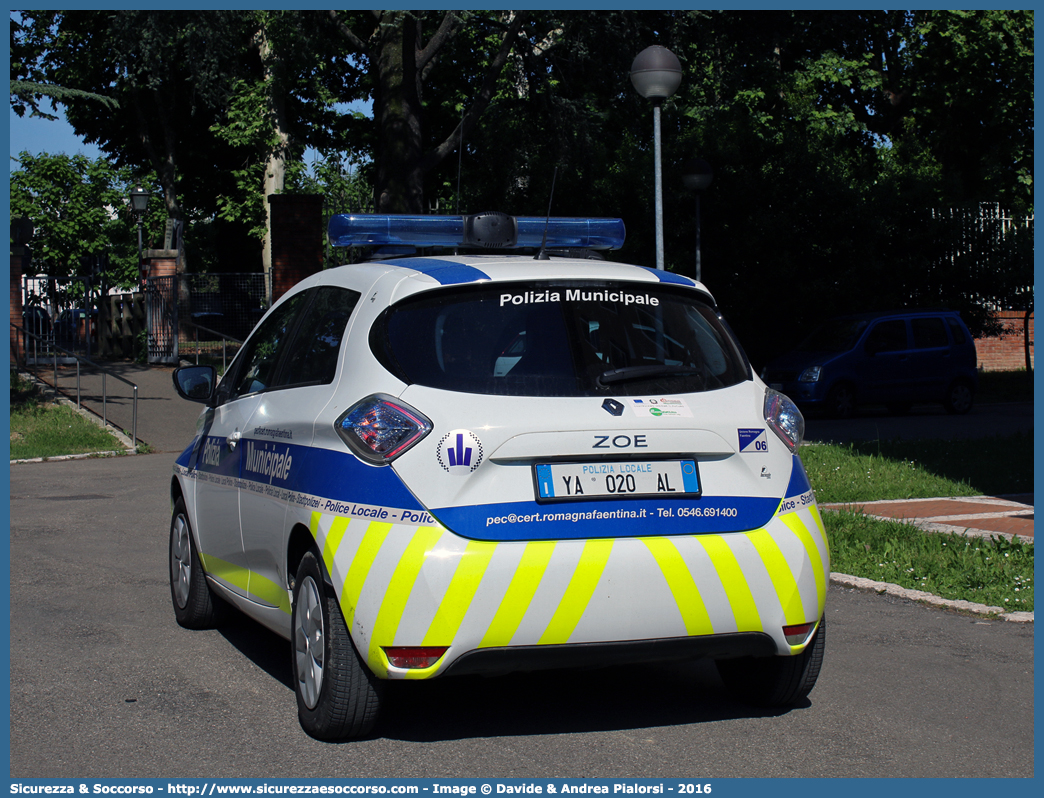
x: 78, y: 208
x: 170, y: 74
x: 27, y: 50
x: 399, y: 63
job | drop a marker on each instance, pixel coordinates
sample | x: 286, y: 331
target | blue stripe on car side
x: 798, y: 480
x: 447, y: 272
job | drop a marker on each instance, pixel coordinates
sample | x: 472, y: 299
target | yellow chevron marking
x: 822, y: 529
x: 459, y: 594
x: 741, y: 600
x: 519, y: 593
x: 578, y: 593
x: 333, y: 541
x: 812, y: 550
x: 254, y: 585
x: 397, y: 594
x: 682, y: 585
x: 782, y: 577
x: 371, y: 543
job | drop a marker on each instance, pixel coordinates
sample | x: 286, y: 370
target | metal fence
x: 161, y: 312
x: 27, y: 342
x: 218, y: 311
x: 61, y: 314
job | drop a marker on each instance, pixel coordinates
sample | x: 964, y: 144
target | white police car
x: 425, y: 466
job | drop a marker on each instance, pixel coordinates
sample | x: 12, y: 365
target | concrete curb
x: 860, y: 583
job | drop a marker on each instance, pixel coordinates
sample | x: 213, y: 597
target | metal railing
x: 224, y: 341
x: 23, y: 347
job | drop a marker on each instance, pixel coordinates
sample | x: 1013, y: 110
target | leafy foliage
x: 852, y: 150
x: 79, y: 208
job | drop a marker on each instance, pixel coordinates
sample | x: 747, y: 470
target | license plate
x: 618, y: 480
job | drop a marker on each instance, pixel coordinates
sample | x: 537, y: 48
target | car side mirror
x: 196, y: 383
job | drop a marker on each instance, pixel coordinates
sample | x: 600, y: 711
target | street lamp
x: 139, y: 202
x: 697, y: 176
x: 656, y: 74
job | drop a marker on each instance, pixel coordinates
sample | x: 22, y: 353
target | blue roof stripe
x: 447, y: 272
x: 665, y: 276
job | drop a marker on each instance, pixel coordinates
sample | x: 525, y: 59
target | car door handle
x: 233, y: 439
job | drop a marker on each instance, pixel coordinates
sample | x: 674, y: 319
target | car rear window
x: 559, y: 339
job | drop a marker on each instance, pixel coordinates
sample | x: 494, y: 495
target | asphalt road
x: 104, y: 683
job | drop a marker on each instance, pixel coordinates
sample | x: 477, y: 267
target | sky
x: 41, y: 135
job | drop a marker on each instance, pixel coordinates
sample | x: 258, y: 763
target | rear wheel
x: 775, y: 681
x: 337, y: 696
x: 195, y: 606
x: 958, y: 399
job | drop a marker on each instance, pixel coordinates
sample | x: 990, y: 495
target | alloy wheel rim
x: 309, y: 642
x: 181, y: 561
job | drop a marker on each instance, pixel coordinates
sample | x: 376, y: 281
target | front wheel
x: 337, y: 696
x: 195, y: 606
x: 775, y: 681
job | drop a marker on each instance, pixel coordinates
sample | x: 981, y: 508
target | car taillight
x: 784, y: 418
x: 380, y: 428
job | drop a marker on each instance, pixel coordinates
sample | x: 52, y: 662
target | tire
x: 841, y: 401
x: 959, y: 398
x: 195, y: 606
x: 775, y: 681
x: 337, y: 696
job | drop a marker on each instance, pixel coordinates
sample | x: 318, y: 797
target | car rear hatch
x: 576, y: 409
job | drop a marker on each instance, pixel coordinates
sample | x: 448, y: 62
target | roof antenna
x: 542, y: 254
x: 460, y: 159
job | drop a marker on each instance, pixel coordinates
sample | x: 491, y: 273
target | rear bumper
x: 504, y: 606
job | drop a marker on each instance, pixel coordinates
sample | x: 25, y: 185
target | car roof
x: 430, y: 272
x: 886, y: 314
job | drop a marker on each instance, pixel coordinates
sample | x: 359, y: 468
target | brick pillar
x: 19, y: 262
x: 297, y: 239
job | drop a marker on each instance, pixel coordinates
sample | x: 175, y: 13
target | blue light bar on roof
x: 370, y: 230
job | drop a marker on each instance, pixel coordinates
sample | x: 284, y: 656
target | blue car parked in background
x: 897, y: 359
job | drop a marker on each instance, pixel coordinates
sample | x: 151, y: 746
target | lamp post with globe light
x: 656, y: 74
x: 139, y: 202
x: 697, y: 176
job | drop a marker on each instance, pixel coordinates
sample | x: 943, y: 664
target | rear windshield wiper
x: 645, y: 373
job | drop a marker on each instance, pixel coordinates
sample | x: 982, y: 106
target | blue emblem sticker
x: 753, y: 440
x: 459, y: 452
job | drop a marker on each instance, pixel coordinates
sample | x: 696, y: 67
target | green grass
x: 42, y: 429
x: 871, y: 470
x: 990, y: 571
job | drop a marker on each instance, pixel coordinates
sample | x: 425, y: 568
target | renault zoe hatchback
x: 424, y: 466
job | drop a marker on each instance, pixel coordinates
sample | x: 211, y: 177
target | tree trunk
x: 275, y: 168
x: 399, y: 187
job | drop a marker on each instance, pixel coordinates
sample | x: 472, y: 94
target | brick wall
x: 1006, y: 352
